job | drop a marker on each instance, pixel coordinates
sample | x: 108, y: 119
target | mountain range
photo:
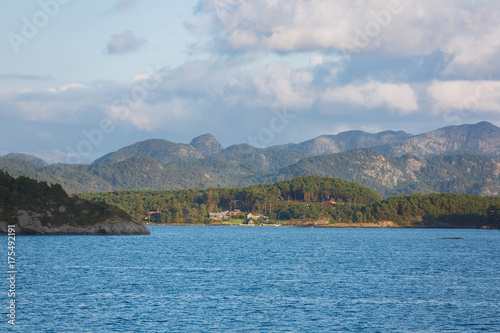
x: 460, y: 159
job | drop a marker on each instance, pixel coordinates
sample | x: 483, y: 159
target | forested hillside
x: 264, y: 198
x: 162, y: 151
x: 302, y: 201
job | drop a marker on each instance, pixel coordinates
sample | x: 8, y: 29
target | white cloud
x: 375, y: 95
x: 468, y: 33
x: 63, y: 105
x: 316, y: 60
x: 280, y: 86
x: 205, y: 91
x: 149, y: 117
x: 472, y: 54
x: 475, y: 96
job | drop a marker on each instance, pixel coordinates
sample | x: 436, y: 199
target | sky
x: 79, y: 79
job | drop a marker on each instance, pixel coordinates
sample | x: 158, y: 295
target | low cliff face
x: 30, y: 223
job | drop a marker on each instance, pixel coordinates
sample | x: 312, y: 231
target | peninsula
x: 37, y: 208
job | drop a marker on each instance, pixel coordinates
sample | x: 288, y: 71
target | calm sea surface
x: 257, y: 279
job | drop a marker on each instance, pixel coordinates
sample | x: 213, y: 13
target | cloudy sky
x: 79, y: 79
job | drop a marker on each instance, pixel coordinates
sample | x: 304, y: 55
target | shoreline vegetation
x: 322, y: 225
x: 310, y: 201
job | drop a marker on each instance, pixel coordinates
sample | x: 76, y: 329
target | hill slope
x: 328, y: 144
x: 481, y: 138
x: 29, y: 158
x: 162, y: 151
x: 472, y: 174
x: 263, y: 158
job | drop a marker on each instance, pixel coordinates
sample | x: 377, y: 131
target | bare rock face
x: 320, y: 146
x: 206, y: 144
x: 29, y: 223
x: 331, y: 144
x: 481, y: 138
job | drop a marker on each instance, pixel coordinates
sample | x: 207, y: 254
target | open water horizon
x: 258, y: 279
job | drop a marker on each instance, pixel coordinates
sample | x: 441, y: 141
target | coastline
x: 315, y: 224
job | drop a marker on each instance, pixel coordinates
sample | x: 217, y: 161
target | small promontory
x: 36, y: 208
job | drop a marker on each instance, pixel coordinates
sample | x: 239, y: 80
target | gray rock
x: 29, y: 223
x: 206, y: 144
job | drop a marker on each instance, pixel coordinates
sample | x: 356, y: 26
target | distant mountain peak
x: 29, y: 158
x: 161, y: 150
x: 206, y: 144
x: 343, y: 141
x: 466, y: 127
x: 206, y: 135
x: 484, y: 125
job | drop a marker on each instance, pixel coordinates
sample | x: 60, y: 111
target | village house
x: 257, y: 217
x: 218, y: 216
x: 329, y: 200
x: 149, y: 215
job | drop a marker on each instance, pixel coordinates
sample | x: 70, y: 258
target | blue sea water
x: 257, y: 279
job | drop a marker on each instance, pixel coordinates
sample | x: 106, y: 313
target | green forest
x: 299, y: 202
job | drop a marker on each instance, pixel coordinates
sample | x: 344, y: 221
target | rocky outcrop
x: 206, y: 144
x: 29, y: 223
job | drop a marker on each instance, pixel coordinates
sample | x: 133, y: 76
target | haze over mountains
x: 462, y: 159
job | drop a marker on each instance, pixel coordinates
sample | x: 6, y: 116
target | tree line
x: 300, y: 199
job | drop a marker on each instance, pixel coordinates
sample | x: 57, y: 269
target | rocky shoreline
x: 29, y: 223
